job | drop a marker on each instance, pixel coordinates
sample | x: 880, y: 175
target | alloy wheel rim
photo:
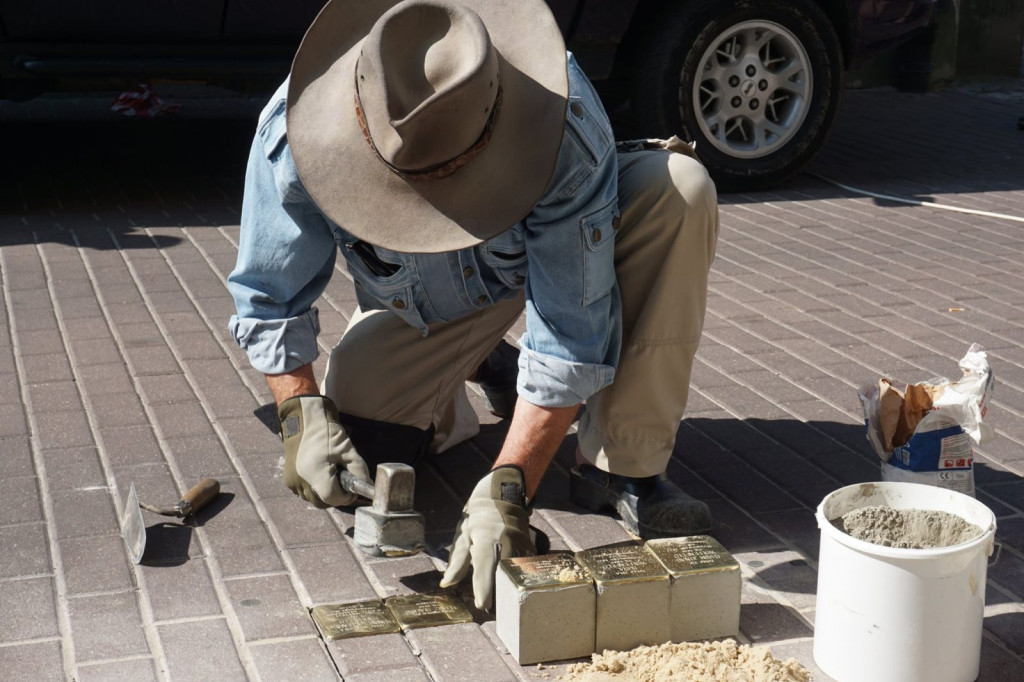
x: 752, y: 90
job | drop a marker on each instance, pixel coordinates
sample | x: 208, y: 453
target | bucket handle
x: 995, y: 553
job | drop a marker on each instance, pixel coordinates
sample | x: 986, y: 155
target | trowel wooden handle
x: 198, y: 497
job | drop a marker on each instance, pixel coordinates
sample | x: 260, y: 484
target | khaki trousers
x: 385, y: 370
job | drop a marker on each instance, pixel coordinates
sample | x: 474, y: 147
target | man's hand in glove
x: 494, y: 526
x: 316, y: 449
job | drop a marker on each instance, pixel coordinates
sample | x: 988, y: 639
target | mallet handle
x: 355, y: 485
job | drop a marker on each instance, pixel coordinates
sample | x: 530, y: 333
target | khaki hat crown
x: 427, y: 82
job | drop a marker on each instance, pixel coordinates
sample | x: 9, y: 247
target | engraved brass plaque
x: 695, y: 554
x: 559, y: 569
x: 621, y: 564
x: 428, y: 610
x: 358, y: 619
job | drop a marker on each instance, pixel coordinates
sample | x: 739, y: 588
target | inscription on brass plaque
x: 358, y: 619
x: 428, y: 610
x: 559, y: 569
x: 621, y: 564
x: 696, y: 554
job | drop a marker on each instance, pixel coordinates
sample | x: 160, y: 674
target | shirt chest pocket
x: 505, y: 255
x: 383, y: 280
x: 598, y: 235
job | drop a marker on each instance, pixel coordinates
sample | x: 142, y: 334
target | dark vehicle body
x: 650, y: 52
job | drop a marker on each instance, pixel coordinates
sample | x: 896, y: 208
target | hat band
x: 445, y: 168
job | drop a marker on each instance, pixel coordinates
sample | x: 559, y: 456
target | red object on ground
x: 142, y: 102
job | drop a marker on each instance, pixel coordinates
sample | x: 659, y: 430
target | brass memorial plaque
x: 358, y: 619
x: 559, y: 569
x: 695, y: 554
x: 621, y: 564
x: 428, y: 610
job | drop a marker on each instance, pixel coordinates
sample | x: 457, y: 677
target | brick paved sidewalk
x: 115, y: 367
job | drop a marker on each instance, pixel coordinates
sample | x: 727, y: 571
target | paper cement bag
x: 924, y: 433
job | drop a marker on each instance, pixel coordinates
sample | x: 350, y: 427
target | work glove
x: 316, y: 450
x: 494, y: 526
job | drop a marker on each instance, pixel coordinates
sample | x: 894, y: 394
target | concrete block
x: 706, y: 584
x: 632, y: 596
x: 546, y: 608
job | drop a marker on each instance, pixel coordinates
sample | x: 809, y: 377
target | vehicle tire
x: 755, y: 84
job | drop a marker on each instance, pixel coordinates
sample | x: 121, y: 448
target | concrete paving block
x: 79, y: 512
x: 300, y: 523
x: 546, y: 608
x: 303, y: 660
x: 25, y: 550
x: 460, y: 652
x: 319, y: 568
x: 267, y: 607
x: 16, y: 457
x: 29, y: 609
x: 96, y: 563
x: 405, y: 575
x: 130, y: 445
x: 219, y: 660
x: 46, y: 368
x: 107, y: 626
x: 61, y: 429
x: 35, y: 661
x: 180, y: 590
x: 764, y: 620
x: 182, y: 420
x: 633, y: 596
x: 370, y: 655
x: 706, y: 584
x: 240, y: 542
x: 19, y: 499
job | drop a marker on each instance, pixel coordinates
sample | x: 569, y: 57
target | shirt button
x: 577, y: 109
x: 597, y: 235
x: 467, y: 272
x: 517, y: 278
x: 615, y: 222
x: 398, y: 303
x: 481, y: 299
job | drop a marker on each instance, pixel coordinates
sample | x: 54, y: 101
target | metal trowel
x: 133, y: 528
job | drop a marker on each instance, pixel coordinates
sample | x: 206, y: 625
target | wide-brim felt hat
x: 428, y: 125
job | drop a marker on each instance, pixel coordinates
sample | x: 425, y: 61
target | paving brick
x: 36, y: 661
x: 407, y: 575
x: 61, y: 429
x: 374, y: 655
x: 180, y: 590
x: 331, y: 574
x: 95, y: 563
x: 40, y: 342
x: 134, y: 670
x: 299, y: 523
x: 459, y: 652
x: 763, y: 620
x: 179, y: 420
x: 46, y: 368
x: 303, y: 660
x: 26, y: 550
x: 29, y: 609
x: 107, y: 626
x: 785, y: 573
x: 80, y: 512
x: 219, y: 660
x: 267, y: 607
x: 240, y: 541
x: 130, y: 445
x: 200, y: 457
x: 19, y: 497
x: 16, y: 457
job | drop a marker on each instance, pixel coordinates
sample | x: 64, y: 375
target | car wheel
x: 756, y: 85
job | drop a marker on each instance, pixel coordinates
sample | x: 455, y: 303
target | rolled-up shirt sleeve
x: 286, y: 257
x: 573, y: 312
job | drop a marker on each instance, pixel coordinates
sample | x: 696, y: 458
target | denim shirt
x: 561, y: 255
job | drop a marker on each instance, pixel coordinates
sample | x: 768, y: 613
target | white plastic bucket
x: 900, y: 615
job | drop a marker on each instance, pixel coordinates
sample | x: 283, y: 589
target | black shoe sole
x: 598, y: 498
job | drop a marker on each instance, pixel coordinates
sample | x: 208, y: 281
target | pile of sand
x: 723, y: 661
x: 907, y: 528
